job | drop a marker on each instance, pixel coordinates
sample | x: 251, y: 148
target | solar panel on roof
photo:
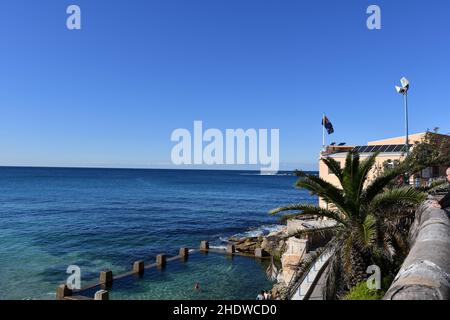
x: 379, y: 148
x: 363, y: 149
x: 390, y: 148
x: 376, y: 149
x: 370, y: 148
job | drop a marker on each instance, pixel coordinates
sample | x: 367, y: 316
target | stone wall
x: 425, y: 273
x: 295, y: 251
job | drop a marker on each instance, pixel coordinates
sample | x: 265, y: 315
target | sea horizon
x: 150, y: 168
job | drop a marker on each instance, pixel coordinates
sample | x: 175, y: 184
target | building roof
x: 413, y: 138
x: 382, y: 149
x: 394, y: 145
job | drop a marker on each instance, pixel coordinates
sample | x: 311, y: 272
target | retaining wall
x: 425, y: 273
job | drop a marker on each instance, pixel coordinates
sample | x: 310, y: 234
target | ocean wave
x: 219, y: 247
x: 256, y: 232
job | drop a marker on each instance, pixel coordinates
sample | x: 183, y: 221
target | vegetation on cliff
x: 372, y: 219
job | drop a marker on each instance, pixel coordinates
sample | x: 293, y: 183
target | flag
x: 328, y: 125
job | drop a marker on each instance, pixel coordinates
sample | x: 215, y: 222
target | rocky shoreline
x: 274, y: 244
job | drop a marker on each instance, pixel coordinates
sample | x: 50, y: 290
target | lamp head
x: 400, y: 90
x: 405, y: 86
x: 405, y: 83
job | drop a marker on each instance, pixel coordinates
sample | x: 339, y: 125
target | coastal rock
x: 274, y: 244
x: 246, y: 245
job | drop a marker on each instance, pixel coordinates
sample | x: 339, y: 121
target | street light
x: 403, y: 90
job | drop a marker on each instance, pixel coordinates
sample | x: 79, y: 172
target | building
x: 391, y: 151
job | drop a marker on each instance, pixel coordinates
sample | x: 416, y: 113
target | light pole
x: 403, y: 90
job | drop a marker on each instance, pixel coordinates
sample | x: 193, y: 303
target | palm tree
x: 367, y: 214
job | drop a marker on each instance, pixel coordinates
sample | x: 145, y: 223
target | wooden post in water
x: 231, y: 249
x: 204, y: 245
x: 184, y: 252
x: 138, y: 267
x: 63, y: 291
x: 106, y: 277
x: 161, y: 260
x: 101, y: 295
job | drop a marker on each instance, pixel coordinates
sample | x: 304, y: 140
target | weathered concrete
x: 312, y: 278
x: 231, y: 249
x: 184, y: 252
x: 204, y: 245
x: 425, y: 273
x: 296, y: 225
x: 106, y: 277
x: 161, y: 260
x: 296, y: 250
x: 101, y: 295
x: 319, y: 289
x: 63, y: 291
x: 138, y: 267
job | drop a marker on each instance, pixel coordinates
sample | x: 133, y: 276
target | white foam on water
x: 220, y: 247
x: 257, y: 232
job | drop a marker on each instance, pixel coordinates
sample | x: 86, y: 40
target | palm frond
x: 272, y: 270
x: 350, y: 174
x: 334, y: 166
x: 380, y: 183
x: 325, y: 190
x: 397, y: 196
x: 368, y: 230
x: 364, y: 170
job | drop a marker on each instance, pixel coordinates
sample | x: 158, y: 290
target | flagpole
x: 323, y: 132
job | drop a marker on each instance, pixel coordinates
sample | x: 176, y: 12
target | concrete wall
x: 425, y: 273
x: 295, y: 251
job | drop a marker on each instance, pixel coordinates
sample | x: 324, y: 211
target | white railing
x: 311, y: 276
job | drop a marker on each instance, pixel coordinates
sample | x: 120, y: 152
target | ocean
x: 100, y: 219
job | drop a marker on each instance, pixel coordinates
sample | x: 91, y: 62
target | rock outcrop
x: 247, y: 244
x: 273, y: 243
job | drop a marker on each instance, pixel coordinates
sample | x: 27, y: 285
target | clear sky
x: 111, y: 93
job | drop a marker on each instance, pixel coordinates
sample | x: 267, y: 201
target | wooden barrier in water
x: 106, y: 278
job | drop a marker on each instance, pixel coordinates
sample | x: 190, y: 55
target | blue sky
x: 112, y: 93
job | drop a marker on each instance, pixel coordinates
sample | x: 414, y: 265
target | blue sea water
x: 99, y: 219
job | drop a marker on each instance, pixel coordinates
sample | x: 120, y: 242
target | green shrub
x: 361, y: 292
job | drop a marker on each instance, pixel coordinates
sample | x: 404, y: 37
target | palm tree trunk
x: 356, y: 269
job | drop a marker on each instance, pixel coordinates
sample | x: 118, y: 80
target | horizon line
x: 139, y: 168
